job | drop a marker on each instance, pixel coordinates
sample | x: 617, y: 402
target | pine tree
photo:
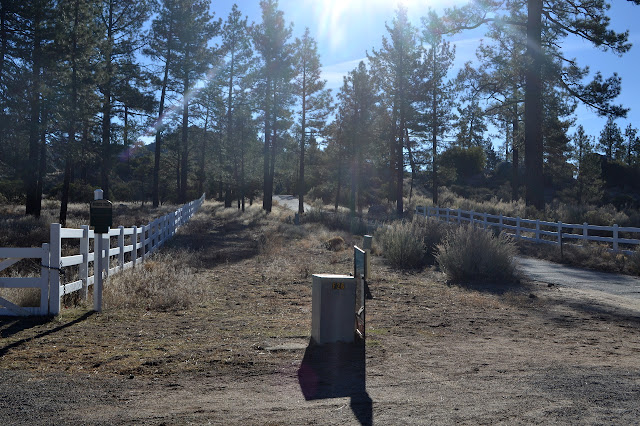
x: 33, y: 47
x: 589, y: 182
x: 547, y: 22
x: 271, y: 41
x: 193, y: 57
x: 436, y: 92
x: 315, y: 100
x: 394, y: 65
x: 633, y: 144
x: 238, y: 53
x: 122, y: 24
x: 357, y: 110
x: 611, y: 141
x: 77, y: 38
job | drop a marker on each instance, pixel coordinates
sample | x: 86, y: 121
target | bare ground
x: 435, y: 353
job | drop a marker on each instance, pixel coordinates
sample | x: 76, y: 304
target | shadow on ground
x: 18, y: 325
x: 337, y: 370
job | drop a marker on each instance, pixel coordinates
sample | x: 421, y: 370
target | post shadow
x: 336, y: 370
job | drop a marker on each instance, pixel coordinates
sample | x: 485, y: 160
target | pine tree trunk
x: 33, y: 202
x: 533, y: 152
x: 185, y: 139
x: 106, y: 109
x: 266, y: 196
x: 158, y: 150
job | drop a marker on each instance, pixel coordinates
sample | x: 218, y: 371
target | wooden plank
x: 21, y: 282
x: 9, y: 262
x: 71, y: 287
x: 71, y: 260
x: 71, y: 233
x: 17, y: 310
x: 24, y: 253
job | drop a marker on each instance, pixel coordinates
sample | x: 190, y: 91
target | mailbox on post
x: 101, y: 216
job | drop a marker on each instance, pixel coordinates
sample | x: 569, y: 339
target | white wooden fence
x: 139, y: 241
x: 621, y: 239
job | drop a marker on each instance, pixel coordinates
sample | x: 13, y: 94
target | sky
x: 346, y: 30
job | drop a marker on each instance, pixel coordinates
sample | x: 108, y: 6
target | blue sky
x: 346, y: 29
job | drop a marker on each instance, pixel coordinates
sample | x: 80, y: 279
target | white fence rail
x: 621, y: 239
x: 137, y: 243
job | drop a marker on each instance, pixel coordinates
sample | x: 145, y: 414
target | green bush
x: 411, y: 244
x: 472, y: 254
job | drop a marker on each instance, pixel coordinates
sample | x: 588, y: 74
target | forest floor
x: 239, y: 354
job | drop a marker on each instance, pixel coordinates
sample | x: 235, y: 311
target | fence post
x: 459, y: 215
x: 615, y: 237
x: 98, y: 267
x: 84, y: 266
x: 471, y: 220
x: 121, y: 248
x: 44, y: 280
x: 484, y: 219
x: 55, y: 248
x: 142, y: 249
x: 106, y: 248
x: 501, y: 222
x: 518, y: 227
x: 537, y: 229
x: 447, y: 214
x: 585, y: 232
x: 134, y: 242
x: 560, y: 233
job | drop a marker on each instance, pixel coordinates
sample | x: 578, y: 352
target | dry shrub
x: 163, y: 282
x: 408, y: 245
x: 473, y: 254
x: 633, y: 262
x: 336, y: 243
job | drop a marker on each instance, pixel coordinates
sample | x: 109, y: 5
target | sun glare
x: 336, y: 19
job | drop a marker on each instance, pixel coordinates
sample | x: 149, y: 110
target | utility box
x: 333, y: 308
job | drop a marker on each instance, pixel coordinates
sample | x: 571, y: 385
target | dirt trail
x: 435, y: 354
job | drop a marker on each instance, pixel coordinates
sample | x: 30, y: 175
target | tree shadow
x: 337, y: 370
x: 29, y: 322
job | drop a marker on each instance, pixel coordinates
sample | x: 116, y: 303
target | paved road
x: 562, y: 275
x: 290, y: 201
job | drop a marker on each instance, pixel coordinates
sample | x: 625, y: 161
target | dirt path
x: 435, y: 354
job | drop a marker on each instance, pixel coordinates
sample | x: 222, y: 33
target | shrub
x: 411, y: 244
x: 473, y: 254
x: 634, y: 262
x: 337, y: 221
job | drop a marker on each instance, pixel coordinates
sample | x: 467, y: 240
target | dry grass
x: 163, y: 282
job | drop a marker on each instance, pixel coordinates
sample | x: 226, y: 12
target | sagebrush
x: 471, y: 253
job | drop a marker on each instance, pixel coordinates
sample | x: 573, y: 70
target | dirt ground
x: 434, y: 354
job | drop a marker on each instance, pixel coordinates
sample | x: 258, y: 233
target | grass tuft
x: 411, y: 244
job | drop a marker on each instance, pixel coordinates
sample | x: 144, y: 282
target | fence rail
x: 621, y: 239
x: 122, y: 247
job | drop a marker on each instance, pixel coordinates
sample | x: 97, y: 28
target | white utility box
x: 333, y: 308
